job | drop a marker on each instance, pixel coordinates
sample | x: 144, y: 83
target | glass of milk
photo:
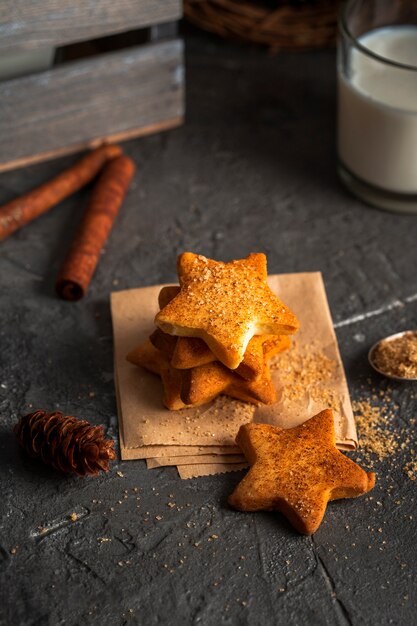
x: 377, y: 102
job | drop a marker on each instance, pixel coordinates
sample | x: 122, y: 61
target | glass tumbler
x: 377, y: 102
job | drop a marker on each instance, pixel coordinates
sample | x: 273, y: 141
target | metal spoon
x: 371, y: 355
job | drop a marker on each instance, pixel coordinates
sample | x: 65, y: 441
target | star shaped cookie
x: 188, y: 352
x: 185, y: 388
x: 225, y: 304
x: 297, y: 471
x: 153, y: 360
x: 191, y: 352
x: 205, y: 382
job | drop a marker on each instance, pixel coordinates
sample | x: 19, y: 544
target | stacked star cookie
x: 216, y: 332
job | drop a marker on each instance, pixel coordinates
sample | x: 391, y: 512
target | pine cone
x: 65, y: 442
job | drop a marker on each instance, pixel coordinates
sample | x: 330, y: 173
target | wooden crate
x: 108, y: 96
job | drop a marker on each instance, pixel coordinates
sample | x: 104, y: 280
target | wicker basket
x: 288, y: 25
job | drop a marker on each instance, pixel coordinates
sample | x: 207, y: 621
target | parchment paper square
x: 144, y: 421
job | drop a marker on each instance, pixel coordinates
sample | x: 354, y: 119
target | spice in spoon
x: 397, y: 356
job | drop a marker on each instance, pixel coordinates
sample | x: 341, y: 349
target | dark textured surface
x: 252, y: 170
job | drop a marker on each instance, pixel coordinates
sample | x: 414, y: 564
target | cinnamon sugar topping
x: 225, y: 304
x: 398, y: 356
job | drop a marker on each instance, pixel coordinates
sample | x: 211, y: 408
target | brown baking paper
x: 161, y: 452
x: 201, y: 459
x: 209, y: 469
x: 144, y: 421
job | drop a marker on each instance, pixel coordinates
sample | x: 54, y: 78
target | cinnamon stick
x: 27, y: 207
x: 101, y: 212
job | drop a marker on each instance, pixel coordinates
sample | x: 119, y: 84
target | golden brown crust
x: 260, y: 350
x: 153, y: 360
x: 225, y: 304
x: 188, y: 352
x: 191, y: 352
x: 297, y: 471
x: 164, y: 342
x: 201, y: 384
x: 184, y: 388
x: 167, y: 294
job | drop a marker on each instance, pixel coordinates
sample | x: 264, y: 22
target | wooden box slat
x: 28, y: 24
x: 118, y: 94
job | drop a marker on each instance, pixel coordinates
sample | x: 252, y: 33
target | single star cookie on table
x: 188, y: 352
x: 225, y: 304
x: 297, y: 471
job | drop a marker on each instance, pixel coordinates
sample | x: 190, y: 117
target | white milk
x: 378, y: 111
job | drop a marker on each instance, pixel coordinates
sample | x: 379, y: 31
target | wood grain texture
x: 80, y: 103
x: 28, y: 24
x: 150, y: 129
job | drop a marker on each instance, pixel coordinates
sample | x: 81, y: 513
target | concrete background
x: 253, y: 169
